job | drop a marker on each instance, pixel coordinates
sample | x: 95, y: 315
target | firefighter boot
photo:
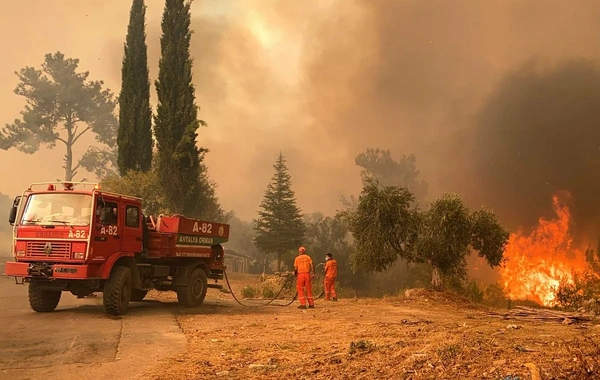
x: 334, y: 299
x: 302, y: 307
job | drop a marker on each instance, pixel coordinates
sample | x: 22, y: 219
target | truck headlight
x: 20, y: 253
x: 78, y: 255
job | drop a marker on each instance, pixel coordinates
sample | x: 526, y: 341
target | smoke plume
x: 322, y: 81
x: 537, y: 135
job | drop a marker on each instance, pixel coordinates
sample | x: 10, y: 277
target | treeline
x: 148, y: 154
x: 386, y: 229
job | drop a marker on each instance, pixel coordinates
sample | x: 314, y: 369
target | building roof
x: 231, y: 252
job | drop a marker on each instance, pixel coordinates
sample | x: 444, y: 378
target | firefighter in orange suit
x: 305, y: 272
x: 330, y: 269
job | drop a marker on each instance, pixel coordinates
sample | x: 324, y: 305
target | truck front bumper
x: 42, y: 270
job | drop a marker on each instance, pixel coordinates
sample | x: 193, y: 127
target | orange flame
x: 537, y: 263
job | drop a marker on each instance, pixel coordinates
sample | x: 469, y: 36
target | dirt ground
x: 426, y: 336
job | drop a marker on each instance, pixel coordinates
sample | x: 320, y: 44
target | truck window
x: 132, y: 217
x: 112, y: 217
x: 58, y: 208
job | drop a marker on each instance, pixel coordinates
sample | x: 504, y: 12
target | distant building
x: 236, y: 262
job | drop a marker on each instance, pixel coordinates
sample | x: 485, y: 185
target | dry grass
x: 426, y: 336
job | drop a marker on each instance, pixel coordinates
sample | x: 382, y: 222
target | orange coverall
x: 304, y: 265
x: 330, y: 276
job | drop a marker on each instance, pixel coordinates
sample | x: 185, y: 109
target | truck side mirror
x: 12, y: 217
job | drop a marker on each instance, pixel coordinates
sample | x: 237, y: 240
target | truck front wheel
x: 193, y: 293
x: 42, y: 301
x: 117, y: 291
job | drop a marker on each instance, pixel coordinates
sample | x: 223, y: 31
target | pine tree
x: 62, y: 106
x: 279, y: 228
x: 180, y: 168
x: 135, y: 116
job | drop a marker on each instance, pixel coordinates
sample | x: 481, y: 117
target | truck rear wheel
x: 117, y: 291
x: 138, y: 295
x: 193, y: 293
x: 42, y: 301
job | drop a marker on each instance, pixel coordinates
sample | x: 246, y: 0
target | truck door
x: 132, y: 230
x: 107, y: 236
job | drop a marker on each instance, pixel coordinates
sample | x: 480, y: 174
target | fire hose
x: 269, y: 303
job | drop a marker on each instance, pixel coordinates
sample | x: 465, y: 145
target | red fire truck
x: 72, y: 236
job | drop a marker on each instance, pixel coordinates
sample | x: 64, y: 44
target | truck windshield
x: 58, y: 208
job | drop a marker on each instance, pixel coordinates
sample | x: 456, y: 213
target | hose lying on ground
x: 269, y: 303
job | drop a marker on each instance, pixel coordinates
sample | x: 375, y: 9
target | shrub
x: 268, y: 292
x: 248, y: 292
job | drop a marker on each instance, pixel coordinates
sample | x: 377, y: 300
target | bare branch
x: 81, y: 133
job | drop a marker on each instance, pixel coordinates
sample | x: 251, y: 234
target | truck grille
x: 38, y: 249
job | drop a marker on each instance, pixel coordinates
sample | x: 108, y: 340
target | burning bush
x: 585, y: 285
x: 536, y: 263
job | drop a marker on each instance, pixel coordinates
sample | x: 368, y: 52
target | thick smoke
x: 539, y: 134
x: 425, y: 77
x: 322, y: 81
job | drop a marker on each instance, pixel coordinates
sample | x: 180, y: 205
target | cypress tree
x: 135, y: 115
x: 176, y: 120
x: 279, y: 227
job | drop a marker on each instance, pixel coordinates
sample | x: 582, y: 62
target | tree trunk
x: 69, y: 163
x: 265, y: 265
x: 278, y: 261
x: 436, y: 279
x: 69, y: 155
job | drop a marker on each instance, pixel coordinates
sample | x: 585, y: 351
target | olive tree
x: 386, y: 228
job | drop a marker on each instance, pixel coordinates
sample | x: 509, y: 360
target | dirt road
x: 79, y: 341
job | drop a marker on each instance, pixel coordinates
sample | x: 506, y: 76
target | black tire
x: 43, y: 301
x: 193, y: 293
x: 138, y: 295
x: 117, y: 291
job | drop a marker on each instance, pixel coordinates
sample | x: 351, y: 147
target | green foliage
x: 488, y: 237
x: 62, y: 105
x: 279, y: 227
x: 135, y: 115
x: 495, y: 295
x: 584, y: 286
x: 241, y: 239
x: 249, y: 292
x: 144, y: 185
x: 572, y: 294
x: 326, y: 234
x: 384, y: 227
x: 330, y: 234
x: 445, y: 235
x: 268, y: 292
x: 449, y: 231
x: 147, y: 185
x: 379, y: 165
x: 474, y: 293
x: 180, y: 169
